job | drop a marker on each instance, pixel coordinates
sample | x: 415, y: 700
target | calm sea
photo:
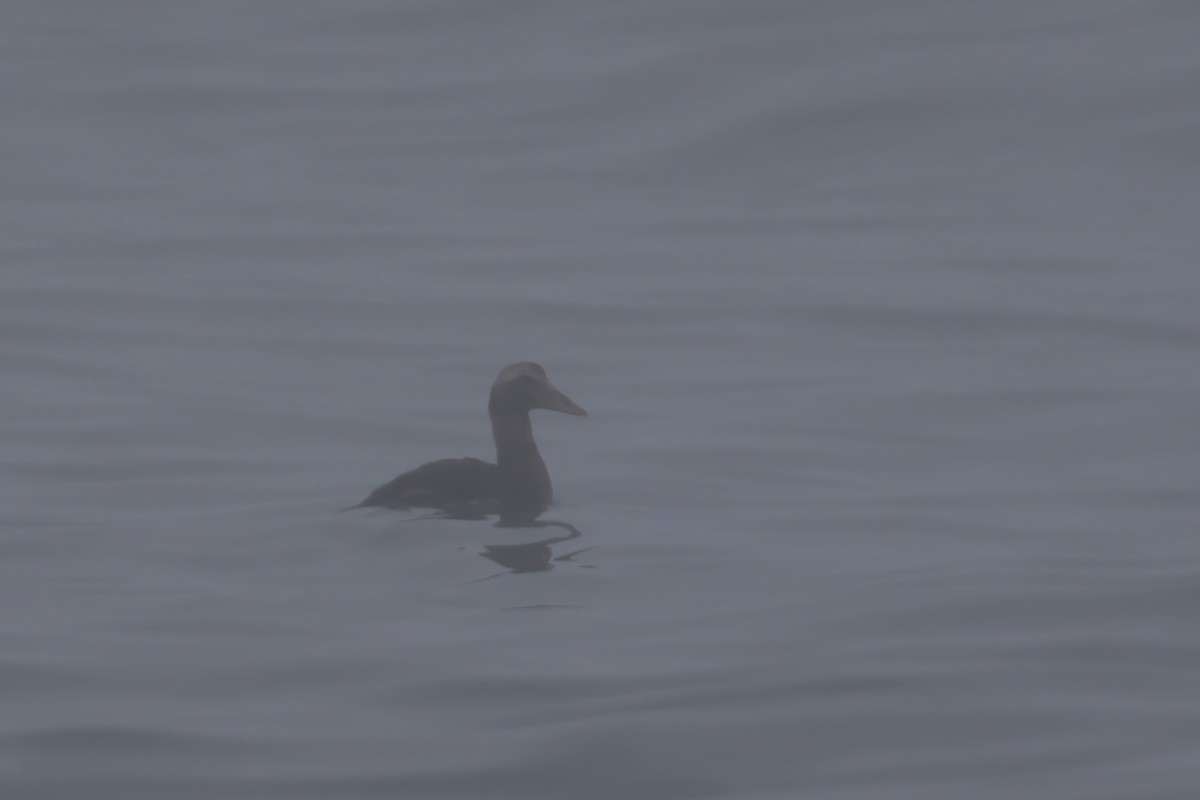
x: 885, y: 314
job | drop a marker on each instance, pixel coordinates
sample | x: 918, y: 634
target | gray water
x: 885, y: 314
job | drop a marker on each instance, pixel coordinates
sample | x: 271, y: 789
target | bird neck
x: 523, y: 482
x: 515, y: 447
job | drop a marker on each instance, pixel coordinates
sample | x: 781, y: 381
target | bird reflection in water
x: 533, y: 556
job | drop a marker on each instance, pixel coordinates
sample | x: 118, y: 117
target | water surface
x: 884, y: 315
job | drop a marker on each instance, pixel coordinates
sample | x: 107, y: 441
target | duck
x: 517, y: 488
